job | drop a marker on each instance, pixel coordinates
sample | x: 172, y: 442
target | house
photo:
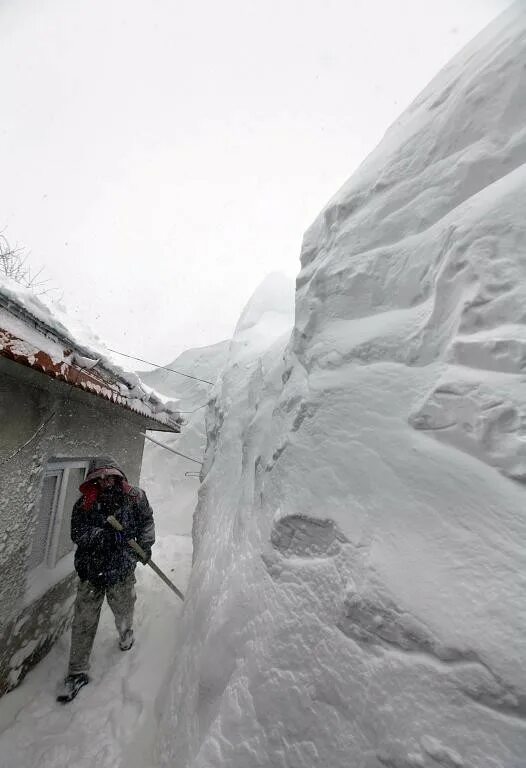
x: 61, y: 402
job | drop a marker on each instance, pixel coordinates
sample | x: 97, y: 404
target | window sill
x: 42, y: 578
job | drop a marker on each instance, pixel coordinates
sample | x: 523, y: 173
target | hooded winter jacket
x: 103, y: 557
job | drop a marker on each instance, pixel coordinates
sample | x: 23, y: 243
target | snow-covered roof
x: 44, y: 337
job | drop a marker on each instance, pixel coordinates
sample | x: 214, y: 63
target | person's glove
x: 147, y: 551
x: 114, y: 537
x: 120, y: 538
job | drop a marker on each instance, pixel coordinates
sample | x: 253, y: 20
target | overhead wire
x: 195, y: 409
x: 39, y: 429
x: 166, y: 368
x: 30, y: 440
x: 20, y: 448
x: 172, y: 450
x: 163, y: 367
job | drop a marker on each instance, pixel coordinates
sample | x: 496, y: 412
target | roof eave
x: 93, y: 381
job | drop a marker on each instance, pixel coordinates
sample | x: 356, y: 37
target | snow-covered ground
x: 113, y: 721
x: 357, y: 597
x: 357, y: 594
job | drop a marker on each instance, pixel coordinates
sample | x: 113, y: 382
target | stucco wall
x: 82, y: 426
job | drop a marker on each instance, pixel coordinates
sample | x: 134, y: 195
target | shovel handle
x: 132, y: 543
x: 142, y: 554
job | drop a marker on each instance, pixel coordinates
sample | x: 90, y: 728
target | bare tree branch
x: 14, y: 264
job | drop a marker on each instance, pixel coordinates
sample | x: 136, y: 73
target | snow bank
x: 357, y: 596
x: 164, y: 476
x: 171, y: 491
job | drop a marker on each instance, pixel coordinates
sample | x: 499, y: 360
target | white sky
x: 160, y: 157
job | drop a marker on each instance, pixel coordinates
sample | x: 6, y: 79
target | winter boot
x: 72, y: 685
x: 126, y: 640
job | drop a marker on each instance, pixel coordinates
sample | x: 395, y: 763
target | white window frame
x: 51, y: 570
x: 61, y: 468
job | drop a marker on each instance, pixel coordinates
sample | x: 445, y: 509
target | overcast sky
x: 160, y: 157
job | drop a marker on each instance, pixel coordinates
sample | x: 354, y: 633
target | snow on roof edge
x: 29, y: 321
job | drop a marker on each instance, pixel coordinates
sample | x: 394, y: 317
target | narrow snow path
x: 113, y: 720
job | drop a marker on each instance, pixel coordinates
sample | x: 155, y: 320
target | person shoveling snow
x: 104, y: 562
x: 114, y: 720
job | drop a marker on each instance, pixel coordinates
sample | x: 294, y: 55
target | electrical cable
x: 172, y: 450
x: 44, y: 424
x: 21, y: 447
x: 195, y: 409
x: 131, y: 357
x: 163, y: 367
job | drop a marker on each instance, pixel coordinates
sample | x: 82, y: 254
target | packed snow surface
x: 357, y: 595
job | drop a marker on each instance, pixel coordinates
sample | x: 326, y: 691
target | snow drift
x: 171, y: 491
x: 357, y: 596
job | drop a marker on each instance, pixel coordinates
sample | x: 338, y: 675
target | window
x: 50, y: 557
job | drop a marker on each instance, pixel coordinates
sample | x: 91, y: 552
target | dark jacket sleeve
x: 83, y: 532
x: 145, y: 523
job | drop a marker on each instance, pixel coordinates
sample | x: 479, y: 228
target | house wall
x: 82, y: 425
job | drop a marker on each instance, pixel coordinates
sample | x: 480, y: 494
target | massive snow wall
x: 357, y: 598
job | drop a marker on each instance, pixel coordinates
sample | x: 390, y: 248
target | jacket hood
x: 101, y: 466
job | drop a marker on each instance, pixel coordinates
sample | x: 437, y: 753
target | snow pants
x: 121, y: 599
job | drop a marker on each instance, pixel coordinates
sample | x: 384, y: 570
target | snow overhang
x: 26, y: 340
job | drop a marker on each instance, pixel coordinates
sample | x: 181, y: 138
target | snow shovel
x: 142, y: 554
